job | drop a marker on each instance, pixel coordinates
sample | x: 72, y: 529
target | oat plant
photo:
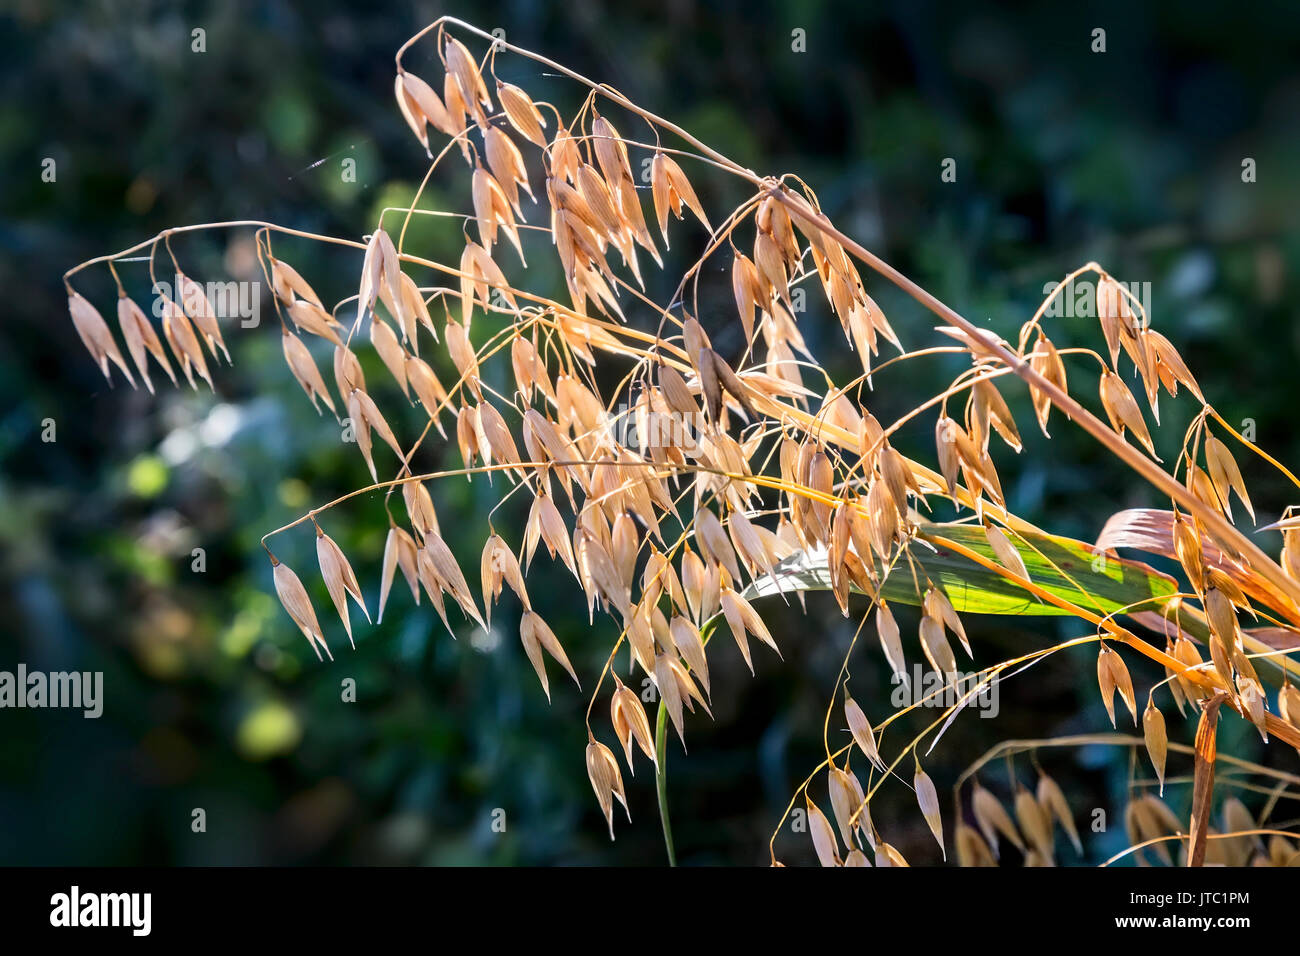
x: 712, y: 482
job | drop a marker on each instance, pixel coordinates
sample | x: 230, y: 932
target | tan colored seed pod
x: 971, y: 848
x: 304, y: 370
x: 294, y: 598
x: 1122, y: 409
x: 1112, y: 676
x: 1157, y: 740
x: 399, y: 551
x: 339, y: 579
x: 96, y: 337
x: 606, y: 781
x: 862, y: 733
x: 141, y: 340
x: 823, y: 837
x: 1034, y: 823
x: 992, y: 819
x: 1051, y: 800
x: 537, y: 636
x: 928, y: 800
x: 631, y: 724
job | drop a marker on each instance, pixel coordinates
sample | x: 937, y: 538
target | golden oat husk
x: 1122, y: 410
x: 991, y: 408
x: 1185, y: 652
x: 473, y: 91
x: 449, y: 576
x: 184, y: 344
x: 347, y: 370
x: 197, y: 306
x: 937, y: 604
x: 1221, y: 615
x: 1052, y: 801
x: 1225, y: 475
x: 462, y: 355
x: 1157, y: 740
x: 1187, y: 548
x: 670, y: 189
x: 671, y: 694
x: 420, y: 509
x: 1113, y: 675
x: 606, y: 781
x: 971, y: 849
x: 141, y: 340
x: 846, y: 797
x: 1222, y: 661
x: 340, y: 580
x: 992, y: 818
x: 424, y: 382
x: 936, y: 648
x: 288, y: 283
x: 1237, y: 818
x: 928, y: 800
x: 430, y: 106
x: 96, y: 337
x: 1255, y: 704
x: 1288, y: 704
x: 304, y: 370
x: 498, y: 566
x: 862, y: 733
x: 1046, y: 361
x: 823, y: 837
x: 888, y: 855
x: 294, y: 598
x: 399, y: 551
x: 546, y: 525
x: 309, y: 317
x: 686, y: 638
x: 390, y: 351
x: 1005, y: 551
x: 523, y: 115
x: 631, y: 724
x: 1034, y: 823
x: 507, y: 165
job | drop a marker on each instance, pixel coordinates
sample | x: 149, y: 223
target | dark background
x: 1131, y: 157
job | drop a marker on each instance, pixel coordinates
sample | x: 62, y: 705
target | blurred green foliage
x: 1131, y: 157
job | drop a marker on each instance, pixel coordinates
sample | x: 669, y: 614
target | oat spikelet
x: 1052, y: 802
x: 1122, y: 410
x: 928, y: 800
x: 631, y: 724
x: 536, y: 637
x: 304, y: 370
x: 96, y: 337
x: 992, y: 819
x: 1225, y: 475
x: 862, y: 733
x: 971, y: 848
x: 294, y: 598
x: 523, y: 115
x: 339, y: 579
x: 141, y: 340
x: 1157, y: 740
x: 1034, y: 823
x: 823, y: 837
x: 399, y: 551
x: 606, y: 781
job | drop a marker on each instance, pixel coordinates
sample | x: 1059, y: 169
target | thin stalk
x: 661, y: 779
